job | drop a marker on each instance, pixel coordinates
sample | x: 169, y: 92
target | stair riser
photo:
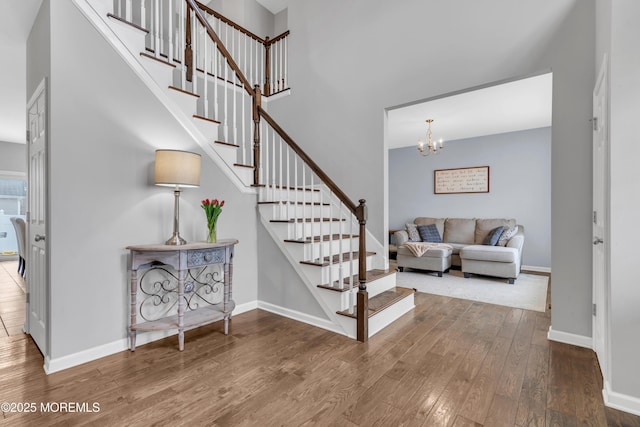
x: 186, y: 102
x: 229, y: 154
x: 130, y: 36
x: 340, y: 300
x: 290, y: 230
x: 279, y: 194
x: 321, y: 274
x: 159, y: 72
x: 276, y: 211
x: 390, y: 314
x: 305, y: 251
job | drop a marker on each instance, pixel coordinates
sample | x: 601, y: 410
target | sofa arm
x: 401, y: 237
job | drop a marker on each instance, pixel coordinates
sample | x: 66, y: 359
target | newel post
x: 257, y: 102
x: 267, y: 66
x: 188, y: 52
x: 363, y: 295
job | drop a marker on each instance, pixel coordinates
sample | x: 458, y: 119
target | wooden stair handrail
x: 192, y: 4
x: 240, y: 27
x: 314, y: 167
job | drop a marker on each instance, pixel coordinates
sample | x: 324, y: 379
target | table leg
x: 132, y: 307
x: 181, y: 303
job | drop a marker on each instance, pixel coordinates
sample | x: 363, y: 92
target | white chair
x: 21, y: 228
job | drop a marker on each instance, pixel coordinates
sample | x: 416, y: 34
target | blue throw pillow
x: 429, y: 233
x: 493, y: 236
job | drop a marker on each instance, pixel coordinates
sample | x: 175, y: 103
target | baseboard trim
x: 620, y: 401
x: 536, y: 269
x: 300, y: 317
x: 569, y: 338
x: 60, y: 363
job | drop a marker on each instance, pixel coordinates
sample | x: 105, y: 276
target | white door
x: 600, y: 228
x: 36, y: 252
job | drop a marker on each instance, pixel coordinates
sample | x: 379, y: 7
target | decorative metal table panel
x: 182, y: 287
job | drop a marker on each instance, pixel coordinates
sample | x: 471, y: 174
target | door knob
x: 597, y: 240
x: 39, y: 237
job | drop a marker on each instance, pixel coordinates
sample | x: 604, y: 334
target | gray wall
x: 39, y: 50
x: 350, y: 61
x: 619, y: 42
x: 248, y: 13
x: 105, y: 126
x: 13, y: 157
x: 520, y: 185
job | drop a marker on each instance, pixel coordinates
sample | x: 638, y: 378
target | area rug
x: 529, y: 291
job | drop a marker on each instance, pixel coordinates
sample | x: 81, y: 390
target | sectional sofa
x: 465, y: 244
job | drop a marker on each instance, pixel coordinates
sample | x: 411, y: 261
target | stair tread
x: 186, y: 92
x: 325, y: 238
x: 381, y: 301
x: 136, y: 26
x: 335, y: 259
x: 227, y: 144
x: 207, y: 119
x: 285, y: 187
x: 370, y: 277
x: 146, y: 55
x: 240, y: 165
x: 292, y: 220
x: 284, y: 202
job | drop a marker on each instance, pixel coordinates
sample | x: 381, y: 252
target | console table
x: 201, y: 295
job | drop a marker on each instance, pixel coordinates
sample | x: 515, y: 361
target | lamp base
x: 176, y: 240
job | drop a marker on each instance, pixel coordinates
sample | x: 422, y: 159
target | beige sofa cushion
x: 484, y: 226
x: 439, y: 222
x: 459, y: 230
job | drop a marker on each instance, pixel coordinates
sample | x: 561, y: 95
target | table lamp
x: 175, y: 168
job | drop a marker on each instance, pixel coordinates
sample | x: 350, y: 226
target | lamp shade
x: 177, y: 168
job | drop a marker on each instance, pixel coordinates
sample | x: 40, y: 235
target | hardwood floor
x: 449, y: 362
x: 12, y: 299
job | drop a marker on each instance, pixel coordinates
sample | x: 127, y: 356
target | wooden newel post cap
x: 362, y: 211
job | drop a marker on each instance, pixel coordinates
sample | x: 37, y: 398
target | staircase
x: 210, y: 73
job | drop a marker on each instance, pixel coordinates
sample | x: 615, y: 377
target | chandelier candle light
x: 431, y: 146
x: 213, y: 209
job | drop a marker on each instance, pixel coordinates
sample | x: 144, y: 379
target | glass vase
x: 212, y: 237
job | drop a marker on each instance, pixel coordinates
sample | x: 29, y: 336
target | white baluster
x: 351, y: 303
x: 265, y: 161
x: 170, y: 52
x: 143, y: 15
x: 311, y: 219
x: 183, y: 46
x: 330, y: 241
x: 320, y: 230
x: 304, y: 200
x: 235, y: 95
x: 119, y: 8
x: 225, y: 126
x: 340, y: 248
x: 295, y: 206
x: 216, y: 74
x: 280, y: 162
x: 205, y: 89
x: 288, y: 185
x: 244, y: 124
x: 128, y: 11
x: 285, y: 80
x: 196, y: 51
x: 156, y: 28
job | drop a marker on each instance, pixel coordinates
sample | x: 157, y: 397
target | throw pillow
x: 493, y: 236
x: 507, y: 234
x: 429, y: 233
x: 412, y: 231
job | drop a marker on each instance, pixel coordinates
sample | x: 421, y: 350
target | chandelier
x: 429, y: 147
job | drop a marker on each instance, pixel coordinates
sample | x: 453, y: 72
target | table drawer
x: 199, y: 257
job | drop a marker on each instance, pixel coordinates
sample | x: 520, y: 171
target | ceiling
x: 274, y: 6
x: 508, y: 107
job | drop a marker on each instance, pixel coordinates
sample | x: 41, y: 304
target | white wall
x: 349, y: 61
x: 104, y: 128
x: 13, y: 63
x: 520, y: 185
x: 13, y: 157
x: 625, y: 198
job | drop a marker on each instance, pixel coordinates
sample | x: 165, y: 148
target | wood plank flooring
x: 12, y: 299
x: 449, y: 362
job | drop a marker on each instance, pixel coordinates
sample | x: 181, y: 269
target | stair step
x: 284, y: 202
x: 325, y: 238
x: 136, y: 26
x: 240, y: 165
x: 228, y: 144
x: 291, y: 221
x: 285, y: 187
x: 195, y: 116
x: 381, y: 301
x: 336, y: 258
x: 184, y: 91
x: 146, y: 55
x: 370, y: 277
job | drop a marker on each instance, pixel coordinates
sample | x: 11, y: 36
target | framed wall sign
x: 462, y: 180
